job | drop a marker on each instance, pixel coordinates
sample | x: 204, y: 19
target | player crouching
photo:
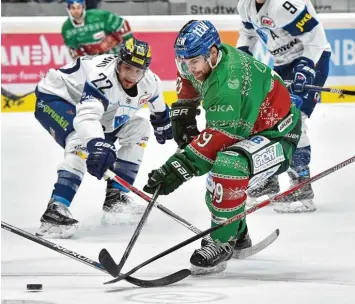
x: 249, y: 115
x: 88, y: 106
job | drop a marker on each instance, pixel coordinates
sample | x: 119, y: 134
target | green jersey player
x: 94, y: 31
x: 252, y: 130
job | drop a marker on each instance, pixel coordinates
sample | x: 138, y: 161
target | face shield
x: 129, y: 75
x: 191, y: 66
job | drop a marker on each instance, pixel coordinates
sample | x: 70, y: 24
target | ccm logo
x: 181, y: 170
x: 178, y: 112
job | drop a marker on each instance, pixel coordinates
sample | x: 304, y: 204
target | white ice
x: 313, y: 261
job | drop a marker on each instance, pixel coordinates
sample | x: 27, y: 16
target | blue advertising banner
x: 342, y: 62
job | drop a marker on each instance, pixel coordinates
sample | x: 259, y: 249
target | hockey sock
x: 66, y: 186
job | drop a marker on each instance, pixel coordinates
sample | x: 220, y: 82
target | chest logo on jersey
x: 99, y: 35
x: 267, y: 22
x: 144, y: 99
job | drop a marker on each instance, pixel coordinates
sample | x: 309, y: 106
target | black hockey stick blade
x: 108, y: 262
x: 164, y: 281
x: 263, y: 244
x: 107, y: 258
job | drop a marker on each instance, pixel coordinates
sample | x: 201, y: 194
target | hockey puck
x: 34, y: 287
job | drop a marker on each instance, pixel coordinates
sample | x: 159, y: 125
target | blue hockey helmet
x: 196, y: 38
x: 70, y: 2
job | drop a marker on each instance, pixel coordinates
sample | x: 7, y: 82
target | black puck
x: 34, y: 287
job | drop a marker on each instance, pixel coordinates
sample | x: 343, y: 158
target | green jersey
x: 99, y: 34
x: 242, y: 97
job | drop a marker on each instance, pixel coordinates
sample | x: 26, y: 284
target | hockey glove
x: 102, y: 155
x: 304, y: 73
x: 162, y: 126
x: 177, y: 170
x: 183, y: 119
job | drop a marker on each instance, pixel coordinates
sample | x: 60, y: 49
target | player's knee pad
x: 74, y: 164
x: 265, y: 157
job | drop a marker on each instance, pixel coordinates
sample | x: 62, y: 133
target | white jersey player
x: 86, y: 106
x: 296, y: 39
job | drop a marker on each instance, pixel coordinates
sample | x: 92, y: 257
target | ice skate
x: 264, y: 190
x: 301, y: 200
x: 57, y: 222
x: 119, y: 207
x: 243, y: 242
x: 211, y: 258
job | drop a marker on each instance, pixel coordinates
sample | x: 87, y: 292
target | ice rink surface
x: 311, y: 262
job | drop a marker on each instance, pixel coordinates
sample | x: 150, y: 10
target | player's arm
x: 117, y: 29
x: 91, y: 107
x: 247, y: 34
x: 89, y: 111
x: 184, y: 111
x: 160, y: 111
x: 223, y: 113
x: 69, y: 40
x: 296, y: 19
x: 299, y: 22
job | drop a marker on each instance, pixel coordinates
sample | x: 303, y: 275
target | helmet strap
x: 208, y: 59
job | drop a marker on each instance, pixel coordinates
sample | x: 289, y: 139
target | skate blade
x: 306, y: 206
x: 201, y: 271
x: 51, y: 231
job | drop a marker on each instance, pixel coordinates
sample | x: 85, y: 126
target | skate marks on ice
x: 175, y: 296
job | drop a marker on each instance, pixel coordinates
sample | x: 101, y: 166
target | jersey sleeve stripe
x: 73, y: 69
x: 303, y: 23
x: 248, y: 25
x: 90, y: 92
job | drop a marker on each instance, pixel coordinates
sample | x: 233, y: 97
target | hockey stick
x: 80, y: 258
x: 12, y: 96
x: 321, y: 89
x: 107, y: 261
x: 330, y: 90
x: 236, y: 217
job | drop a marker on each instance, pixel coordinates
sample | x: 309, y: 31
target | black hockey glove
x: 102, y: 156
x: 183, y: 119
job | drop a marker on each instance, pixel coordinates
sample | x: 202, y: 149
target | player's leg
x: 302, y: 200
x: 246, y: 162
x: 132, y: 138
x: 56, y: 116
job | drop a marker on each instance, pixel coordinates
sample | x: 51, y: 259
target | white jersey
x: 102, y: 105
x: 289, y: 28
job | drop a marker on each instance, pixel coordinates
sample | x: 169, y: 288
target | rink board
x: 29, y: 50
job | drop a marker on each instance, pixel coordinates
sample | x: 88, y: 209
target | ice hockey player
x: 89, y: 105
x: 94, y: 31
x: 252, y: 130
x: 296, y: 39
